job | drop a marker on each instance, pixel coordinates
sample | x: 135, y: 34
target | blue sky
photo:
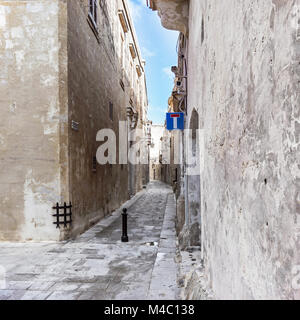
x: 158, y: 47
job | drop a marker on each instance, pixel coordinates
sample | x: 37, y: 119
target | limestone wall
x: 243, y: 80
x: 244, y: 77
x: 93, y: 86
x: 57, y: 69
x: 33, y: 118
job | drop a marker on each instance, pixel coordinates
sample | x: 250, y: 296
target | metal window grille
x: 63, y: 215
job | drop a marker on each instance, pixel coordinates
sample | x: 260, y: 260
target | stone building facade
x: 68, y: 70
x: 241, y: 59
x: 157, y: 132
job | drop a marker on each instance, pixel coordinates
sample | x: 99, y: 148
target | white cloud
x: 147, y: 53
x: 169, y: 73
x: 135, y: 10
x: 142, y: 3
x: 158, y: 109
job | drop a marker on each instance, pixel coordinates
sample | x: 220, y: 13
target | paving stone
x: 87, y: 295
x: 66, y: 286
x: 35, y: 295
x: 17, y: 295
x: 97, y: 265
x: 64, y: 295
x: 102, y: 296
x: 94, y: 287
x: 41, y: 286
x: 162, y: 295
x: 5, y: 294
x: 22, y: 277
x: 18, y: 285
x: 163, y: 281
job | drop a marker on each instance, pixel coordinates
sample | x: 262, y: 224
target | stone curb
x: 163, y: 285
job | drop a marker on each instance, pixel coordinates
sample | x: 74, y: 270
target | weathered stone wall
x: 94, y: 76
x: 174, y: 14
x: 94, y: 73
x: 33, y: 99
x: 57, y: 68
x: 244, y: 81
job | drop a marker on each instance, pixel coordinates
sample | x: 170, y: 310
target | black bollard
x: 124, y: 225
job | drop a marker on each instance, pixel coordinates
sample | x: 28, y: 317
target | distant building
x: 157, y: 132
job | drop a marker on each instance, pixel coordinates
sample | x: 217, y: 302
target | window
x: 123, y: 21
x: 132, y: 50
x: 93, y: 11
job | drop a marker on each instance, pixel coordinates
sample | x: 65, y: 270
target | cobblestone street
x: 97, y: 265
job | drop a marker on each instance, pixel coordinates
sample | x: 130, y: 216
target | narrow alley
x: 97, y: 265
x: 182, y: 116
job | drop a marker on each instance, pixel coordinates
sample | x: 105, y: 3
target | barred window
x: 93, y: 11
